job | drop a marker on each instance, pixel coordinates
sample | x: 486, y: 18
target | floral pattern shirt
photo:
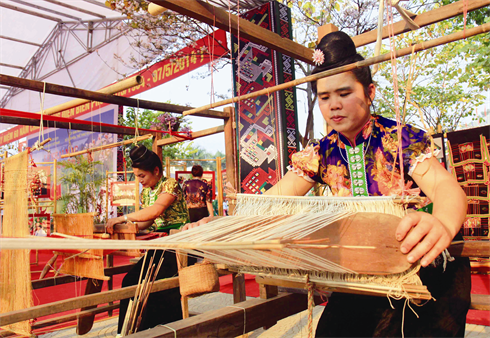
x: 196, y: 193
x: 176, y: 214
x: 326, y: 161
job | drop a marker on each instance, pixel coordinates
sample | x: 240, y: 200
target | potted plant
x: 81, y: 183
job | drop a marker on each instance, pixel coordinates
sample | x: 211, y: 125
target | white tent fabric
x: 93, y: 69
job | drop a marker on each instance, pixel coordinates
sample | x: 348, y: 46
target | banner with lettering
x: 202, y: 52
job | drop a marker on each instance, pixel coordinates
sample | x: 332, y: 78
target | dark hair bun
x: 337, y: 47
x: 138, y: 153
x: 339, y: 50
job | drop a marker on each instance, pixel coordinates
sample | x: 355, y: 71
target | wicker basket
x: 198, y: 279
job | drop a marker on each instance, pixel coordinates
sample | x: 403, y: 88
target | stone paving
x: 292, y: 327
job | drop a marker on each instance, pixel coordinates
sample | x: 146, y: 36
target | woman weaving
x: 359, y: 157
x: 163, y: 209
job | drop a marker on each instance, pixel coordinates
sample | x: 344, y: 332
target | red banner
x: 203, y: 51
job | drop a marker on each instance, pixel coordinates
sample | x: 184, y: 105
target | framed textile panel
x: 469, y: 159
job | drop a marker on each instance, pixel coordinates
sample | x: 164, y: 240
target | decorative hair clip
x: 139, y: 158
x: 318, y: 57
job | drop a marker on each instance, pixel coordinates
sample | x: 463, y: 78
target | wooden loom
x: 357, y: 249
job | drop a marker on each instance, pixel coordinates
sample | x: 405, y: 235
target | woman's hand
x: 109, y: 227
x: 423, y: 236
x: 202, y: 221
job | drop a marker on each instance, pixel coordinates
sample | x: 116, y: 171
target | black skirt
x: 348, y: 315
x: 164, y: 306
x: 196, y: 214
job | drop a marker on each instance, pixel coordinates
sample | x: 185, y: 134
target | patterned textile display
x: 267, y: 125
x: 469, y: 158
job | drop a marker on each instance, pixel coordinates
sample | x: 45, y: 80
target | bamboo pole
x: 55, y: 193
x: 167, y: 166
x: 107, y: 195
x: 51, y: 88
x: 368, y: 62
x: 136, y: 193
x: 108, y: 146
x: 111, y: 89
x: 195, y: 134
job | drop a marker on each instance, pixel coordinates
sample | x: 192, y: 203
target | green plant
x: 81, y: 182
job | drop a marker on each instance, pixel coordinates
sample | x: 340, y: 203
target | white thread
x: 244, y: 316
x: 168, y: 327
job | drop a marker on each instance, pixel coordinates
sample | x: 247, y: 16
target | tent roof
x: 40, y: 38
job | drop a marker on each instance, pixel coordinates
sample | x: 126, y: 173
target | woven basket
x: 198, y: 279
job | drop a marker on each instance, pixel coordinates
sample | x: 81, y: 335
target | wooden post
x: 231, y: 153
x: 136, y: 193
x: 325, y: 29
x: 220, y: 186
x: 239, y: 294
x: 167, y: 167
x: 156, y: 149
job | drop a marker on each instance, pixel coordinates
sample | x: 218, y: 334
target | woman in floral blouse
x: 197, y: 194
x: 163, y: 208
x: 360, y: 157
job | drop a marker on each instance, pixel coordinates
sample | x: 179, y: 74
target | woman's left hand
x: 424, y: 237
x: 109, y: 226
x: 204, y: 220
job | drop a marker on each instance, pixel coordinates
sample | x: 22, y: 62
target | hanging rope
x: 394, y: 72
x: 136, y: 131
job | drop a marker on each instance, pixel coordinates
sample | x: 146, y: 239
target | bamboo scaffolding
x: 111, y: 89
x: 51, y: 88
x: 108, y: 146
x: 368, y: 62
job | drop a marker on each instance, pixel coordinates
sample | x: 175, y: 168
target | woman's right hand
x: 202, y: 221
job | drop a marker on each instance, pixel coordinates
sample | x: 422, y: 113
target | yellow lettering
x: 168, y: 69
x: 193, y: 57
x: 176, y: 67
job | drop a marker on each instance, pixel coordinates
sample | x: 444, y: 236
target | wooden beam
x: 480, y: 302
x: 65, y: 318
x: 52, y: 281
x: 470, y: 249
x: 108, y: 146
x: 67, y: 124
x: 26, y: 11
x: 232, y: 321
x: 423, y: 19
x: 20, y: 41
x: 80, y: 302
x: 195, y: 134
x: 220, y: 18
x: 100, y: 97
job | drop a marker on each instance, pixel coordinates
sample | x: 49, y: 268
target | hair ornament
x: 318, y: 57
x: 139, y: 158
